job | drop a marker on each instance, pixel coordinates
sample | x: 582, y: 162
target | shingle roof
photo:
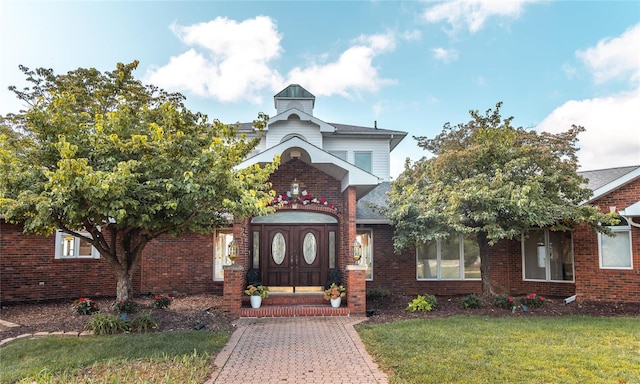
x: 364, y: 211
x: 601, y: 177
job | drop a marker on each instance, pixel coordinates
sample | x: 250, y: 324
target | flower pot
x: 335, y: 303
x: 256, y: 301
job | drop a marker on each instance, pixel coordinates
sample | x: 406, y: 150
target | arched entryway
x: 294, y: 250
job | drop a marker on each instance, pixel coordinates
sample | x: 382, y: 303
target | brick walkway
x: 305, y: 350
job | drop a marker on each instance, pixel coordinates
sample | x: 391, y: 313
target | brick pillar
x: 357, y: 291
x: 233, y: 289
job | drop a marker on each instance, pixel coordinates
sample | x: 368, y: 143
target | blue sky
x: 410, y: 66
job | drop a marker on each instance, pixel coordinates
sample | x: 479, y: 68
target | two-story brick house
x: 329, y: 176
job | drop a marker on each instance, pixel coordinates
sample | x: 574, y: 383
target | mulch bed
x: 187, y: 312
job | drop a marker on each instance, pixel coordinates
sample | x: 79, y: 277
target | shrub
x: 471, y: 301
x: 423, y: 303
x: 532, y: 300
x: 160, y: 301
x: 143, y: 323
x: 125, y: 306
x: 504, y: 301
x: 84, y: 306
x: 107, y: 324
x: 378, y: 293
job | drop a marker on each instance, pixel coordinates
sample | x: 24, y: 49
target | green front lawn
x: 166, y: 357
x: 507, y: 350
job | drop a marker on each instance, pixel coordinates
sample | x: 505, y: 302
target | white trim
x: 60, y: 235
x: 370, y: 233
x: 284, y: 116
x: 615, y: 229
x: 461, y: 266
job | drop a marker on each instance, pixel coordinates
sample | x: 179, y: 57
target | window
x: 365, y: 238
x: 362, y: 160
x: 340, y: 154
x: 547, y: 255
x: 222, y: 240
x: 73, y: 247
x: 454, y: 258
x: 615, y: 252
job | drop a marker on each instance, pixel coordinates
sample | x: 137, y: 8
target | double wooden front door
x: 295, y: 255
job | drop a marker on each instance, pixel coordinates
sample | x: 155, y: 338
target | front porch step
x: 294, y: 311
x: 306, y: 304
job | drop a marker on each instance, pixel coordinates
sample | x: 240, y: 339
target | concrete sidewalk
x: 309, y: 350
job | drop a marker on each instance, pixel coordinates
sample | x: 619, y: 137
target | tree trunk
x: 485, y: 270
x: 123, y: 290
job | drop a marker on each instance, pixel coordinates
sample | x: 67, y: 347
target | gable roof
x: 603, y: 181
x: 347, y: 173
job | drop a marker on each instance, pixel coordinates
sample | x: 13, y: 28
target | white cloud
x: 351, y: 72
x: 445, y: 55
x: 229, y: 60
x: 615, y: 58
x: 472, y: 14
x: 612, y: 137
x: 412, y: 35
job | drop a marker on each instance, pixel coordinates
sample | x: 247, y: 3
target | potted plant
x: 335, y: 293
x: 256, y: 294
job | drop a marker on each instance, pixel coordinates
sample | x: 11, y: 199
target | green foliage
x: 164, y: 357
x: 103, y: 153
x: 493, y: 181
x: 377, y: 293
x: 260, y: 290
x: 532, y: 300
x: 125, y: 306
x: 423, y: 303
x: 503, y: 301
x: 477, y: 349
x: 107, y: 324
x: 471, y: 301
x: 84, y: 306
x: 143, y: 323
x: 160, y: 301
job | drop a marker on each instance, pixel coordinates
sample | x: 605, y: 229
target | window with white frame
x: 547, y: 255
x: 363, y: 160
x: 222, y: 238
x: 365, y: 238
x: 453, y: 258
x: 615, y: 251
x: 74, y: 247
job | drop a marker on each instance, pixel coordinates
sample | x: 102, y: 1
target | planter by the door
x: 335, y: 303
x: 256, y: 301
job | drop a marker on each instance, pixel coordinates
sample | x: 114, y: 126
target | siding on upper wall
x: 380, y: 156
x: 279, y: 130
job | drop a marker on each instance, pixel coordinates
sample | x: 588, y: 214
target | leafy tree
x: 103, y: 154
x: 492, y: 180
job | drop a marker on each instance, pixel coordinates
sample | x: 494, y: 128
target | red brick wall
x: 182, y: 265
x: 179, y: 265
x: 397, y: 272
x: 28, y: 270
x: 593, y: 283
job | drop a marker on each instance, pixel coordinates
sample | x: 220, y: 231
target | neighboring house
x: 339, y: 171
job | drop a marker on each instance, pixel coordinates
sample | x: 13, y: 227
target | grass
x: 166, y: 357
x: 568, y: 349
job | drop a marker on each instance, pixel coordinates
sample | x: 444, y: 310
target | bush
x: 160, y: 301
x: 107, y: 324
x: 143, y: 323
x: 84, y: 306
x: 378, y: 293
x: 471, y: 301
x: 423, y: 303
x: 125, y: 306
x: 532, y: 300
x: 504, y: 301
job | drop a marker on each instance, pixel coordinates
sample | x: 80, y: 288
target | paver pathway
x: 305, y: 350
